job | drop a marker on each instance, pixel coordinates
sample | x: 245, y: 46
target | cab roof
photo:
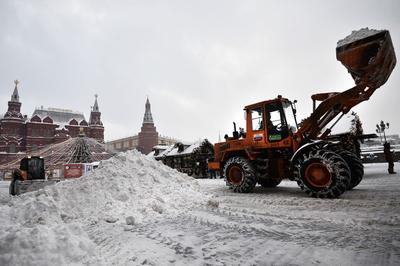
x: 277, y: 99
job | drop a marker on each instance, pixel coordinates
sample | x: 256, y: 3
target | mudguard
x: 310, y: 145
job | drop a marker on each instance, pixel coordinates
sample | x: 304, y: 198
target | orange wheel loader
x: 274, y: 145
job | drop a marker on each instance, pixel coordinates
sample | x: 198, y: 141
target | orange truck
x: 275, y: 146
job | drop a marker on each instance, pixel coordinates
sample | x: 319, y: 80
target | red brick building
x: 144, y: 142
x: 20, y: 134
x: 148, y: 136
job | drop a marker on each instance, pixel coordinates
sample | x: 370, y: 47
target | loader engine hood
x: 368, y: 55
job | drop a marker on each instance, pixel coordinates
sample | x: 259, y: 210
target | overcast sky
x: 199, y: 62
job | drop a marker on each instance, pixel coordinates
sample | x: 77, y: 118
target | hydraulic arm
x: 369, y: 57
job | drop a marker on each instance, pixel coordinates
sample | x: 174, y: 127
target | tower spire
x: 15, y: 95
x: 96, y: 129
x: 96, y: 105
x: 148, y: 118
x: 148, y: 136
x: 95, y: 114
x: 14, y: 106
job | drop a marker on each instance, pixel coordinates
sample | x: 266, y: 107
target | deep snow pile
x: 46, y: 227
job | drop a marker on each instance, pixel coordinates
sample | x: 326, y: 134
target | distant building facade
x: 145, y: 140
x: 20, y: 134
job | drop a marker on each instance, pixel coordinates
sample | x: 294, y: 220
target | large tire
x: 262, y: 166
x: 240, y: 175
x: 322, y: 173
x: 355, y: 165
x: 269, y: 182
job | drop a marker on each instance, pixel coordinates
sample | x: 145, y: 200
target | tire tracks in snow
x: 329, y: 223
x: 260, y: 227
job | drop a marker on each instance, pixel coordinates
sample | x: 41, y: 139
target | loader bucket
x: 368, y: 55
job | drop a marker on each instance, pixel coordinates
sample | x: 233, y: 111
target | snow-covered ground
x: 135, y: 211
x: 4, y: 185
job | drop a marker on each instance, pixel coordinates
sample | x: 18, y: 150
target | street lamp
x: 378, y: 130
x: 381, y: 127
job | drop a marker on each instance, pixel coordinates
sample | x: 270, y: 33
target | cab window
x: 276, y: 122
x: 257, y: 120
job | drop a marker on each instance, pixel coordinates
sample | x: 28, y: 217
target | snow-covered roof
x: 173, y: 150
x: 165, y: 152
x: 60, y: 117
x: 160, y: 147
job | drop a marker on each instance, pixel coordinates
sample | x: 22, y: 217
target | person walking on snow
x: 388, y: 157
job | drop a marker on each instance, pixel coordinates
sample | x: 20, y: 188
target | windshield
x: 291, y: 122
x: 257, y: 119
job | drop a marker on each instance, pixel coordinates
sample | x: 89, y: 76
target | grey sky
x: 200, y: 62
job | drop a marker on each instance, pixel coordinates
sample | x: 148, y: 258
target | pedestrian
x: 389, y: 157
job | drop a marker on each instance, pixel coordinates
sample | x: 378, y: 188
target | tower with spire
x: 95, y: 125
x: 148, y: 118
x: 12, y: 125
x: 14, y: 105
x: 21, y: 136
x: 148, y: 136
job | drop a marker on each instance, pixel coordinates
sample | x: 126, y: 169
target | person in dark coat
x: 389, y: 157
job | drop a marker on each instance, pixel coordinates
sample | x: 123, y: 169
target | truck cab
x: 271, y: 127
x: 30, y: 176
x: 32, y: 168
x: 270, y: 123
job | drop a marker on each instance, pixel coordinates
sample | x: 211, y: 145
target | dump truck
x: 275, y: 146
x: 30, y: 176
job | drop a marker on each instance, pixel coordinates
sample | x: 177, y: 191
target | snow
x: 379, y: 148
x: 172, y: 150
x: 133, y: 210
x: 49, y: 226
x: 357, y: 35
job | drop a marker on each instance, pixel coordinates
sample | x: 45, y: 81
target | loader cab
x: 32, y: 168
x: 271, y: 121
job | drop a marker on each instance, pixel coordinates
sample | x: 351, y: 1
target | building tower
x: 96, y: 128
x: 12, y: 126
x: 148, y: 136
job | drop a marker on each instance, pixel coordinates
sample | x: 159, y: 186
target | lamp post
x: 379, y: 132
x: 381, y: 127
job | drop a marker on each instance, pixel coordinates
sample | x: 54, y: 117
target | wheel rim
x: 318, y: 175
x: 235, y: 175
